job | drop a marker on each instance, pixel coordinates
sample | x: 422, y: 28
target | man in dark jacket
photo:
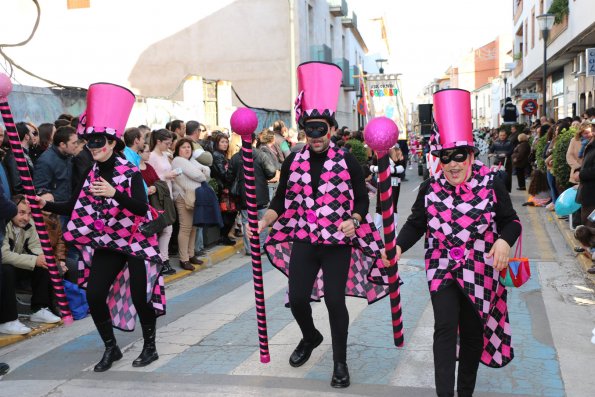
x: 501, y: 149
x: 7, y: 211
x: 264, y: 170
x: 509, y: 112
x: 53, y: 170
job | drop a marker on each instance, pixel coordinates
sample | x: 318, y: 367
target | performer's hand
x: 152, y: 190
x: 398, y: 255
x: 262, y: 224
x: 41, y: 202
x: 500, y: 252
x: 348, y: 228
x: 102, y: 188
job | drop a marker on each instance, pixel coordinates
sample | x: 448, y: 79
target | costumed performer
x: 323, y: 238
x: 470, y: 224
x: 119, y: 265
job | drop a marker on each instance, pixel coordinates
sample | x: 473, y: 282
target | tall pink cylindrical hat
x: 319, y: 84
x: 452, y: 115
x: 108, y: 109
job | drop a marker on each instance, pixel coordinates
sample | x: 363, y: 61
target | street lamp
x: 505, y: 75
x: 379, y: 63
x: 546, y: 21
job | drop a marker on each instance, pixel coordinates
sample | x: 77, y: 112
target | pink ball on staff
x: 5, y: 85
x: 381, y: 133
x: 244, y: 122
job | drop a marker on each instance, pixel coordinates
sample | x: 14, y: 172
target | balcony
x: 350, y: 22
x: 321, y: 53
x: 337, y: 8
x: 557, y: 29
x: 348, y: 82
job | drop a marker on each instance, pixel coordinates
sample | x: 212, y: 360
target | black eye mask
x: 97, y: 142
x: 316, y: 129
x: 459, y: 155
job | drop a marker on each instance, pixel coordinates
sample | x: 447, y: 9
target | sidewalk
x: 564, y: 228
x: 214, y: 255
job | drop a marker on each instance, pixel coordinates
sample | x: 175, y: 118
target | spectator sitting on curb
x: 23, y: 258
x: 586, y: 236
x: 7, y: 211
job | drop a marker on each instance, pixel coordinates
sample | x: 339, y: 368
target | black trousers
x: 306, y: 260
x: 105, y: 266
x: 520, y: 176
x: 454, y: 312
x: 40, y: 287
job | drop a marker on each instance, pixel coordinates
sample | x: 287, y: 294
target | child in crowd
x: 539, y: 195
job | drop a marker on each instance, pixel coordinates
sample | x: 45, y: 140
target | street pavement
x: 208, y: 342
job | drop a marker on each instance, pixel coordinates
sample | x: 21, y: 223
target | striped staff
x: 244, y: 122
x: 381, y: 133
x: 27, y: 182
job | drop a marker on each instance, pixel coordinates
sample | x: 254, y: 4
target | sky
x: 428, y: 36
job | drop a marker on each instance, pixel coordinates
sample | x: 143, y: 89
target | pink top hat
x: 108, y: 109
x: 319, y: 84
x: 452, y: 115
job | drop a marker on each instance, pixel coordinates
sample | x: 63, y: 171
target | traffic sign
x: 529, y: 106
x: 590, y: 61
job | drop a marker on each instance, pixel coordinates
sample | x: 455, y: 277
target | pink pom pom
x: 244, y: 122
x: 5, y: 86
x: 381, y: 133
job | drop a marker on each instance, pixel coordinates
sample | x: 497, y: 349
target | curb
x: 218, y: 255
x: 572, y: 242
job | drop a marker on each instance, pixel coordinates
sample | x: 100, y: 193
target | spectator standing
x: 23, y: 258
x: 7, y: 210
x: 219, y: 172
x: 520, y: 159
x: 54, y: 167
x: 281, y: 146
x: 193, y: 132
x: 264, y: 170
x: 4, y: 180
x: 502, y: 151
x: 134, y: 142
x: 301, y: 141
x: 178, y: 127
x: 576, y: 149
x: 509, y: 112
x: 46, y: 137
x: 266, y: 143
x: 586, y: 176
x: 193, y: 174
x: 159, y: 160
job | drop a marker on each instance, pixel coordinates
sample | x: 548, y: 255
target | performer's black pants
x: 41, y: 291
x: 453, y: 311
x: 105, y: 266
x: 306, y: 260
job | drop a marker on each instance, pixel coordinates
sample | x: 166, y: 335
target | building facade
x: 171, y: 50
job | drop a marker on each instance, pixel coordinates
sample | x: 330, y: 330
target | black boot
x: 149, y: 353
x: 112, y: 351
x: 340, y: 376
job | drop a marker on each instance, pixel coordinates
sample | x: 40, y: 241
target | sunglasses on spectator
x: 459, y: 155
x: 34, y: 133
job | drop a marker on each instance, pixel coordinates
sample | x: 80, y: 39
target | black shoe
x: 226, y: 241
x: 112, y: 351
x: 304, y: 349
x: 202, y: 252
x: 521, y: 188
x: 167, y: 269
x: 340, y: 377
x: 591, y: 270
x: 195, y: 261
x: 149, y: 353
x: 4, y: 369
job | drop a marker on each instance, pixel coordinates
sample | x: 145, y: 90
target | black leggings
x: 454, y: 312
x: 306, y: 260
x: 105, y: 266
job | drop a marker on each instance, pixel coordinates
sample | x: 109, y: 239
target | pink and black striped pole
x: 381, y: 133
x: 27, y: 182
x: 244, y: 122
